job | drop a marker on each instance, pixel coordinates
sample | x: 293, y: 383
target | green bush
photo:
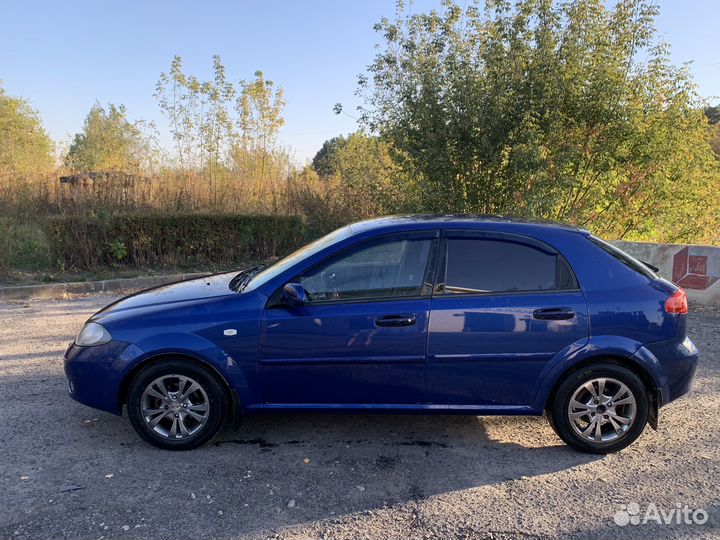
x: 170, y: 239
x: 22, y: 246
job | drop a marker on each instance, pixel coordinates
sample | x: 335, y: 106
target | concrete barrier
x: 695, y: 268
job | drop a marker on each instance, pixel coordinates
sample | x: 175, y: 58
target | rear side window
x: 624, y: 258
x: 482, y: 265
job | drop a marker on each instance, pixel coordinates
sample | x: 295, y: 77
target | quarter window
x: 476, y: 265
x: 387, y: 268
x: 624, y: 258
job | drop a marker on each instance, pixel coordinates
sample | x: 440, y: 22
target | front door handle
x: 406, y: 319
x: 554, y: 314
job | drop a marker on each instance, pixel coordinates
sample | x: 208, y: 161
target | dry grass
x: 27, y: 202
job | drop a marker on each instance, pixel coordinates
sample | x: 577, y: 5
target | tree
x: 569, y: 111
x: 25, y: 147
x: 260, y: 113
x: 712, y: 114
x: 372, y: 181
x: 217, y: 125
x: 199, y: 115
x: 359, y: 179
x: 255, y: 155
x: 324, y: 160
x: 108, y: 142
x: 259, y: 120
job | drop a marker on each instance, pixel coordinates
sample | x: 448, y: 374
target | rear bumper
x: 95, y: 374
x: 681, y: 379
x: 677, y: 361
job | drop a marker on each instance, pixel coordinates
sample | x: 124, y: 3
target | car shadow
x: 331, y: 464
x: 420, y: 454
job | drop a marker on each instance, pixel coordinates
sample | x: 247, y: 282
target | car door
x: 504, y: 305
x: 361, y: 336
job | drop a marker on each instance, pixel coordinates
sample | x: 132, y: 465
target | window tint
x: 379, y: 269
x: 624, y: 258
x: 476, y: 265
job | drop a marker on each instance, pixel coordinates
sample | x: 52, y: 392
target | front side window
x: 294, y: 258
x: 474, y: 265
x: 386, y: 268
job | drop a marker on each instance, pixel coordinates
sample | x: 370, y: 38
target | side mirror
x: 294, y: 294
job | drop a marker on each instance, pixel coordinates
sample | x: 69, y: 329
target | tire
x: 191, y: 412
x: 620, y: 422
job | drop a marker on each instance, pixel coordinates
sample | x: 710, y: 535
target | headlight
x: 92, y: 334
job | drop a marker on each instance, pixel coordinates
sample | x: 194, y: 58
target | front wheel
x: 176, y: 405
x: 600, y: 408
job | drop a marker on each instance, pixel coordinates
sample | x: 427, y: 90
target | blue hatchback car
x: 421, y: 314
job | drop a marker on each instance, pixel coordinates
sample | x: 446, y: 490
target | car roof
x: 455, y: 221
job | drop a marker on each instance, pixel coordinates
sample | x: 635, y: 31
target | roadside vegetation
x: 569, y: 111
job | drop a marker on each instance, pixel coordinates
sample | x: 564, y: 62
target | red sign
x: 691, y: 271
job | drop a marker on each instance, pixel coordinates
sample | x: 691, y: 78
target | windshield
x: 306, y: 251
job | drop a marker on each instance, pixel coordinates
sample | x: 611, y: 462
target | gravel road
x: 67, y: 471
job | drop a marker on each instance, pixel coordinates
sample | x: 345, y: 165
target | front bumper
x: 95, y: 374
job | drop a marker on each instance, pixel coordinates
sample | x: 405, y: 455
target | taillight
x: 677, y: 303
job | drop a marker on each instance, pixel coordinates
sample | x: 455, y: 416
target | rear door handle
x: 406, y: 319
x: 554, y: 313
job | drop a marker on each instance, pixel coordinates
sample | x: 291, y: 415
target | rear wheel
x: 600, y: 408
x: 176, y: 405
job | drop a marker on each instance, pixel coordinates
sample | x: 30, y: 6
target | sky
x: 64, y: 56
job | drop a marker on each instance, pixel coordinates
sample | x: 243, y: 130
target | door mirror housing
x: 294, y: 294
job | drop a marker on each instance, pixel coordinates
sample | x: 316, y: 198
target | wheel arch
x: 652, y: 387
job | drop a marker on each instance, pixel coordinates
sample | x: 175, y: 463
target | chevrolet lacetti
x: 418, y: 314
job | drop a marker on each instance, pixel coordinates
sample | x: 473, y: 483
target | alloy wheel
x: 175, y: 406
x: 602, y: 410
